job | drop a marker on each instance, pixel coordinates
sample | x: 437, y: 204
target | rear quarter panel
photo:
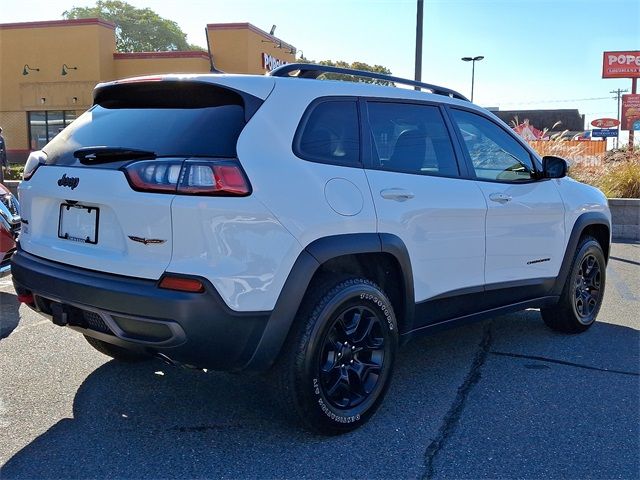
x: 293, y: 188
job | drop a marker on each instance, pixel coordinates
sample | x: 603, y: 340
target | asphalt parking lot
x: 506, y: 398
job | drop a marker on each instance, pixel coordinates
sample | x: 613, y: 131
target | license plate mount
x: 78, y: 223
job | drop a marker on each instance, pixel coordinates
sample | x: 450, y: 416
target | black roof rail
x: 312, y: 70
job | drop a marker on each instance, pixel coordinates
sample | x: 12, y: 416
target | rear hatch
x: 100, y: 196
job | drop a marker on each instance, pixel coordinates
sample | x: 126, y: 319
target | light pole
x: 418, y: 68
x: 473, y: 61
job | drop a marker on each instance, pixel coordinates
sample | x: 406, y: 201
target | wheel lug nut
x: 346, y: 343
x: 351, y: 361
x: 353, y: 348
x: 339, y: 354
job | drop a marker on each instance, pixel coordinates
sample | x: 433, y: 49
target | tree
x: 354, y: 66
x: 137, y: 29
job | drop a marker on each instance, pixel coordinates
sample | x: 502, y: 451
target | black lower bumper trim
x: 198, y: 329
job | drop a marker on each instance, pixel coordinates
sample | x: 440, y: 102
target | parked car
x: 9, y: 228
x: 299, y: 227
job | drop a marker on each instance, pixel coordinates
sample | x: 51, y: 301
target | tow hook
x: 59, y: 315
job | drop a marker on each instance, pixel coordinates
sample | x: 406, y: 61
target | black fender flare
x: 310, y: 259
x: 583, y: 221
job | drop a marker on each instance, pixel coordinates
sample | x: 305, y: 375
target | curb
x: 625, y: 217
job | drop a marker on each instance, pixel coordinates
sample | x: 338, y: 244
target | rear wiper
x: 103, y: 154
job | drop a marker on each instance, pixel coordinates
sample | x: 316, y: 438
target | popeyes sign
x: 269, y: 62
x: 605, y: 122
x: 621, y: 64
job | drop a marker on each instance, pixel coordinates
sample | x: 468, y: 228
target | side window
x: 330, y: 134
x: 410, y: 138
x: 495, y: 155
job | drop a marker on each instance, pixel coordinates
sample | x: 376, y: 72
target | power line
x: 567, y: 100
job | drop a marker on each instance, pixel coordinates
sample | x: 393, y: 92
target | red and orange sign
x: 631, y: 112
x: 621, y: 64
x: 605, y: 122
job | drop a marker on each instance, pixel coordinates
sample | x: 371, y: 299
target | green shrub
x: 616, y: 173
x: 621, y: 181
x: 14, y: 172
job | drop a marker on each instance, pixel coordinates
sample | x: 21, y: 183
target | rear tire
x: 583, y: 291
x: 115, y: 352
x: 336, y: 365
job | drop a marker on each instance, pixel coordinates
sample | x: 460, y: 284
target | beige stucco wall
x: 131, y: 67
x: 47, y: 46
x: 238, y: 47
x: 89, y: 45
x: 14, y: 129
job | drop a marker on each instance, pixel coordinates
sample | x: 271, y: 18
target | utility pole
x: 418, y: 69
x: 634, y: 85
x: 618, y: 94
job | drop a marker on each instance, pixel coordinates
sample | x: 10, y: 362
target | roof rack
x: 312, y: 70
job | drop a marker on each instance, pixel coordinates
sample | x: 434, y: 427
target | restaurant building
x: 49, y: 69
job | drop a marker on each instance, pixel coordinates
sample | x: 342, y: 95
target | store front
x: 48, y: 70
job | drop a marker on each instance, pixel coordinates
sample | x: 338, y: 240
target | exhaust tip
x: 166, y: 359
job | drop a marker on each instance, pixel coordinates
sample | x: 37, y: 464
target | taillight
x: 154, y: 175
x: 35, y: 159
x: 189, y: 177
x: 224, y: 178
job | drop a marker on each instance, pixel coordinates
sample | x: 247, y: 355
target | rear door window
x: 410, y: 138
x: 329, y: 133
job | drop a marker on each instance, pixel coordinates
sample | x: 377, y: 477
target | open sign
x: 621, y: 64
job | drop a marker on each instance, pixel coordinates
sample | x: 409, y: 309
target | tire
x: 118, y: 353
x: 583, y: 290
x: 337, y: 362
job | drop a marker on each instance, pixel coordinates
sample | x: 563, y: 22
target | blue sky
x: 538, y: 53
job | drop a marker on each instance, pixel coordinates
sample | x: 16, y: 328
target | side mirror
x: 554, y: 167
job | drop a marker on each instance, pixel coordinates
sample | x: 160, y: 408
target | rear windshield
x: 168, y: 121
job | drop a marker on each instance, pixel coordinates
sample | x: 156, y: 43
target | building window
x: 43, y: 126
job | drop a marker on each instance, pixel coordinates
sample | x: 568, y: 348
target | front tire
x: 583, y: 291
x: 337, y: 363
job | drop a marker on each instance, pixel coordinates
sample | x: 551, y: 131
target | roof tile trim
x: 58, y: 23
x: 167, y: 54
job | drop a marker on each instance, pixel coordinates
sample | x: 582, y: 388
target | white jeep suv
x: 302, y: 227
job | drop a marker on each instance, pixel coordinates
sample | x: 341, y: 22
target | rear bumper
x: 197, y: 329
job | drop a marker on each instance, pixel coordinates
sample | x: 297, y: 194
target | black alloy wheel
x: 587, y: 287
x: 352, y: 357
x: 583, y: 290
x: 337, y: 364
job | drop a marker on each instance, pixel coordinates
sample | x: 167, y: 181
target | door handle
x: 500, y: 197
x: 397, y: 194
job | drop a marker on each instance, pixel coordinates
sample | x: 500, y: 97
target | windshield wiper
x: 103, y: 154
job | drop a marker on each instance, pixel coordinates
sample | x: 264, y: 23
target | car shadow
x: 9, y: 317
x: 149, y: 420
